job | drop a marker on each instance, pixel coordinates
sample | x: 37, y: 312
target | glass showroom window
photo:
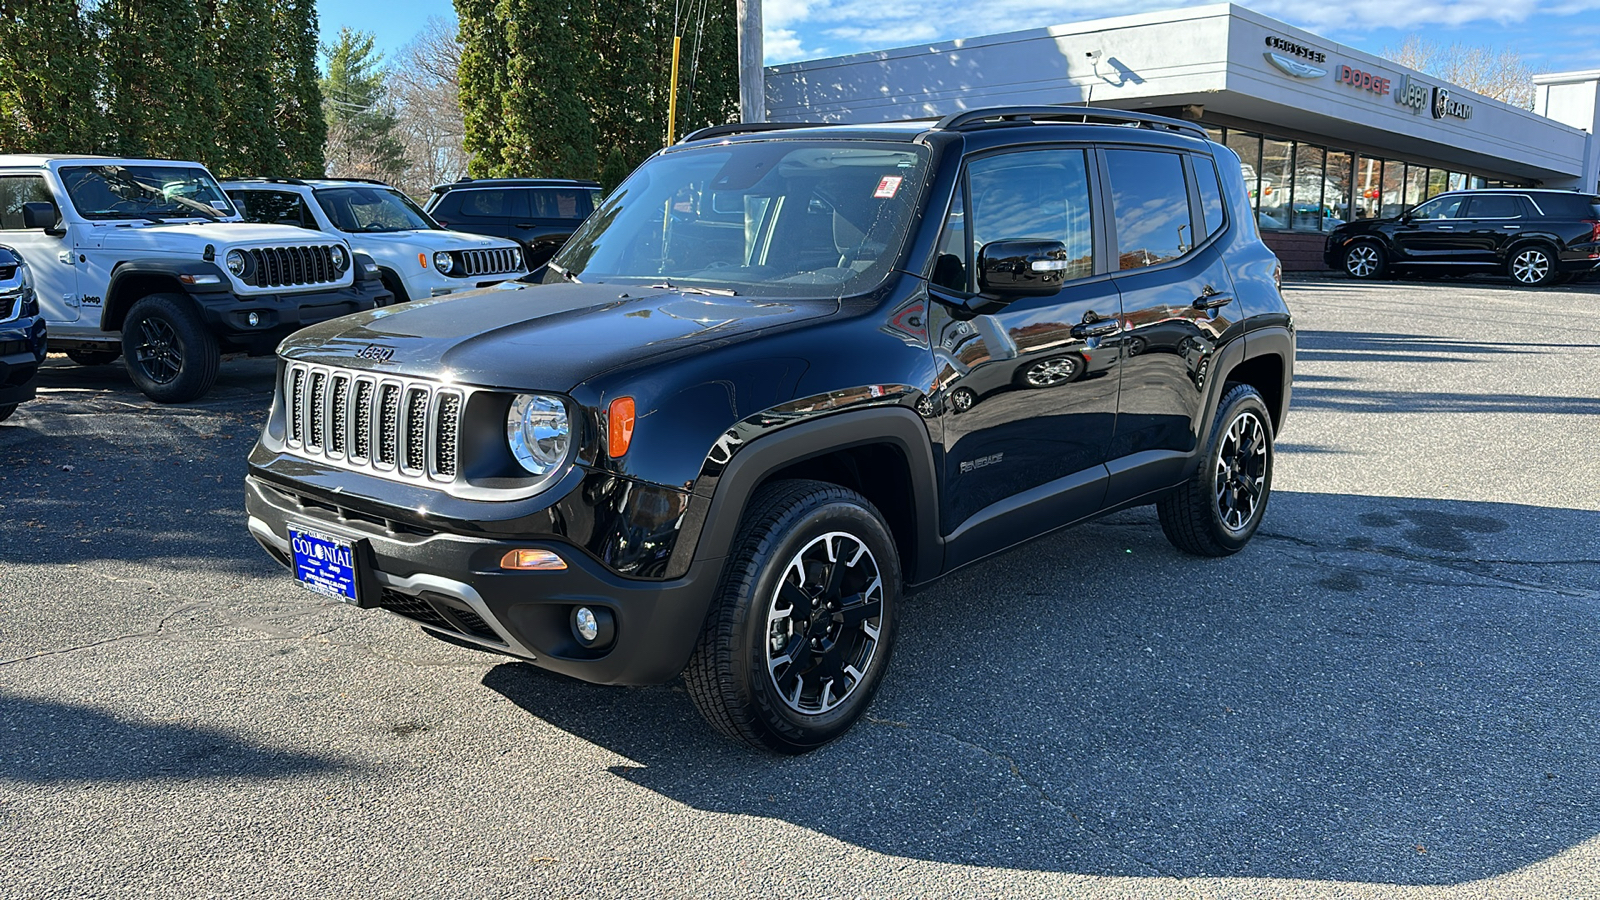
x: 1394, y: 188
x: 1416, y: 185
x: 1277, y: 173
x: 1248, y: 148
x: 1308, y: 204
x: 1336, y: 192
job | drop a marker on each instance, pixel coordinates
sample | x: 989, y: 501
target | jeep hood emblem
x: 375, y: 353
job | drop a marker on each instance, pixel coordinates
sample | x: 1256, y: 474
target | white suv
x: 148, y: 259
x: 416, y: 257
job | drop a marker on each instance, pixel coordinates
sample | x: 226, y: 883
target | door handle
x: 1447, y: 228
x: 1102, y: 328
x: 1212, y: 300
x: 524, y: 225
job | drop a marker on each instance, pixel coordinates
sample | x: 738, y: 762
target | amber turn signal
x: 619, y: 430
x: 532, y: 561
x: 423, y: 259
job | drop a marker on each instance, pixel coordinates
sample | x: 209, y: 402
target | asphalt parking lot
x: 1391, y: 692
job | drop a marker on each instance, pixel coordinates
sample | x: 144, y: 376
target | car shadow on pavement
x: 50, y: 742
x: 1378, y: 689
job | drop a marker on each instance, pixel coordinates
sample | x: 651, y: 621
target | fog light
x: 532, y: 560
x: 593, y: 627
x: 253, y: 318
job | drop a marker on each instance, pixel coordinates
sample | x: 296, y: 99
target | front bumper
x: 453, y: 584
x: 22, y: 351
x: 278, y: 315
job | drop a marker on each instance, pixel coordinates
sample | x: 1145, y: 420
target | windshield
x: 775, y: 218
x: 372, y: 209
x: 157, y: 192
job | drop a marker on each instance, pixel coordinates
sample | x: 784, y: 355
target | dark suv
x: 538, y: 213
x: 781, y: 377
x: 1536, y: 237
x: 22, y: 332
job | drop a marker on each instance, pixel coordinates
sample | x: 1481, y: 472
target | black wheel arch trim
x: 121, y: 295
x: 721, y: 497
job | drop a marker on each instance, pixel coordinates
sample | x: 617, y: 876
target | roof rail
x: 267, y: 180
x: 1013, y: 115
x: 363, y: 181
x: 713, y: 131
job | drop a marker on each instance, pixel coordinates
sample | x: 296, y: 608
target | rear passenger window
x: 1151, y: 203
x: 560, y: 203
x: 1493, y: 207
x: 16, y: 190
x: 483, y: 204
x: 1205, y: 176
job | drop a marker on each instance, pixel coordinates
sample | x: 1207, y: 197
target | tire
x: 1365, y: 260
x: 6, y: 410
x: 1217, y: 511
x: 170, y: 355
x: 781, y: 699
x: 1050, y: 372
x: 93, y: 357
x: 1532, y: 265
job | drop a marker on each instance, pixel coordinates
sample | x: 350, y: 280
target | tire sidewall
x: 1236, y: 403
x: 197, y: 349
x: 791, y: 729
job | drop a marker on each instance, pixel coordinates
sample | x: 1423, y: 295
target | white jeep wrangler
x: 149, y: 260
x: 416, y: 257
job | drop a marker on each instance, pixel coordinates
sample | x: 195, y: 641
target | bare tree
x: 426, y: 91
x: 1495, y: 72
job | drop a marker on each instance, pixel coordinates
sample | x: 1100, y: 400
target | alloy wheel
x: 1052, y: 372
x: 1531, y: 266
x: 1241, y: 473
x: 159, y: 353
x: 1362, y: 261
x: 823, y: 623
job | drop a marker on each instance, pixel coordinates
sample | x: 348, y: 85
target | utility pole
x: 752, y: 77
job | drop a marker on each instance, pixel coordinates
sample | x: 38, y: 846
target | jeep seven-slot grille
x: 498, y: 261
x: 401, y: 428
x: 291, y: 266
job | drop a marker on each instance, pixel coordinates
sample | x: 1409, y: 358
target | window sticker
x: 219, y: 204
x: 888, y: 186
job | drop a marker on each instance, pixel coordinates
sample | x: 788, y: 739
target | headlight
x: 235, y: 259
x: 336, y: 253
x: 538, y: 432
x: 443, y: 262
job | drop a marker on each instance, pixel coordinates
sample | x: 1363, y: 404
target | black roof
x: 515, y: 182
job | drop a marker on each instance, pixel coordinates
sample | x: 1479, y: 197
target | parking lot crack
x: 157, y: 631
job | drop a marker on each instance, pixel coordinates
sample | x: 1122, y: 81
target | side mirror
x: 1022, y: 268
x: 42, y: 215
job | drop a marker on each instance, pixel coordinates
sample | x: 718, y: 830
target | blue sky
x: 1551, y: 35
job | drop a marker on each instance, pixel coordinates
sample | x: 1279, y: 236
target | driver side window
x: 1032, y: 195
x: 1441, y: 208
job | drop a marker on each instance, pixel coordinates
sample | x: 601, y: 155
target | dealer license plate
x: 324, y: 564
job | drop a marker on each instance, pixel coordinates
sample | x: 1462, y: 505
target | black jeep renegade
x: 782, y: 376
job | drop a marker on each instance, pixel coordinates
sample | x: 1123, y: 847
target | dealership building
x: 1326, y: 133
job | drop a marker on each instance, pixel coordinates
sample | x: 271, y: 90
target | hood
x: 179, y: 237
x: 426, y: 239
x: 536, y: 337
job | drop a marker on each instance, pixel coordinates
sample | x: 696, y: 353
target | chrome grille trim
x: 402, y: 428
x: 498, y: 261
x: 291, y: 266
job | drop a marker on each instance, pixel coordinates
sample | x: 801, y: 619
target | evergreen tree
x: 547, y: 127
x: 543, y: 82
x: 160, y: 96
x: 48, y: 76
x: 248, y: 142
x: 302, y: 130
x: 361, y: 139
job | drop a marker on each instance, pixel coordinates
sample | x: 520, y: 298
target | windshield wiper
x: 562, y: 272
x: 685, y: 289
